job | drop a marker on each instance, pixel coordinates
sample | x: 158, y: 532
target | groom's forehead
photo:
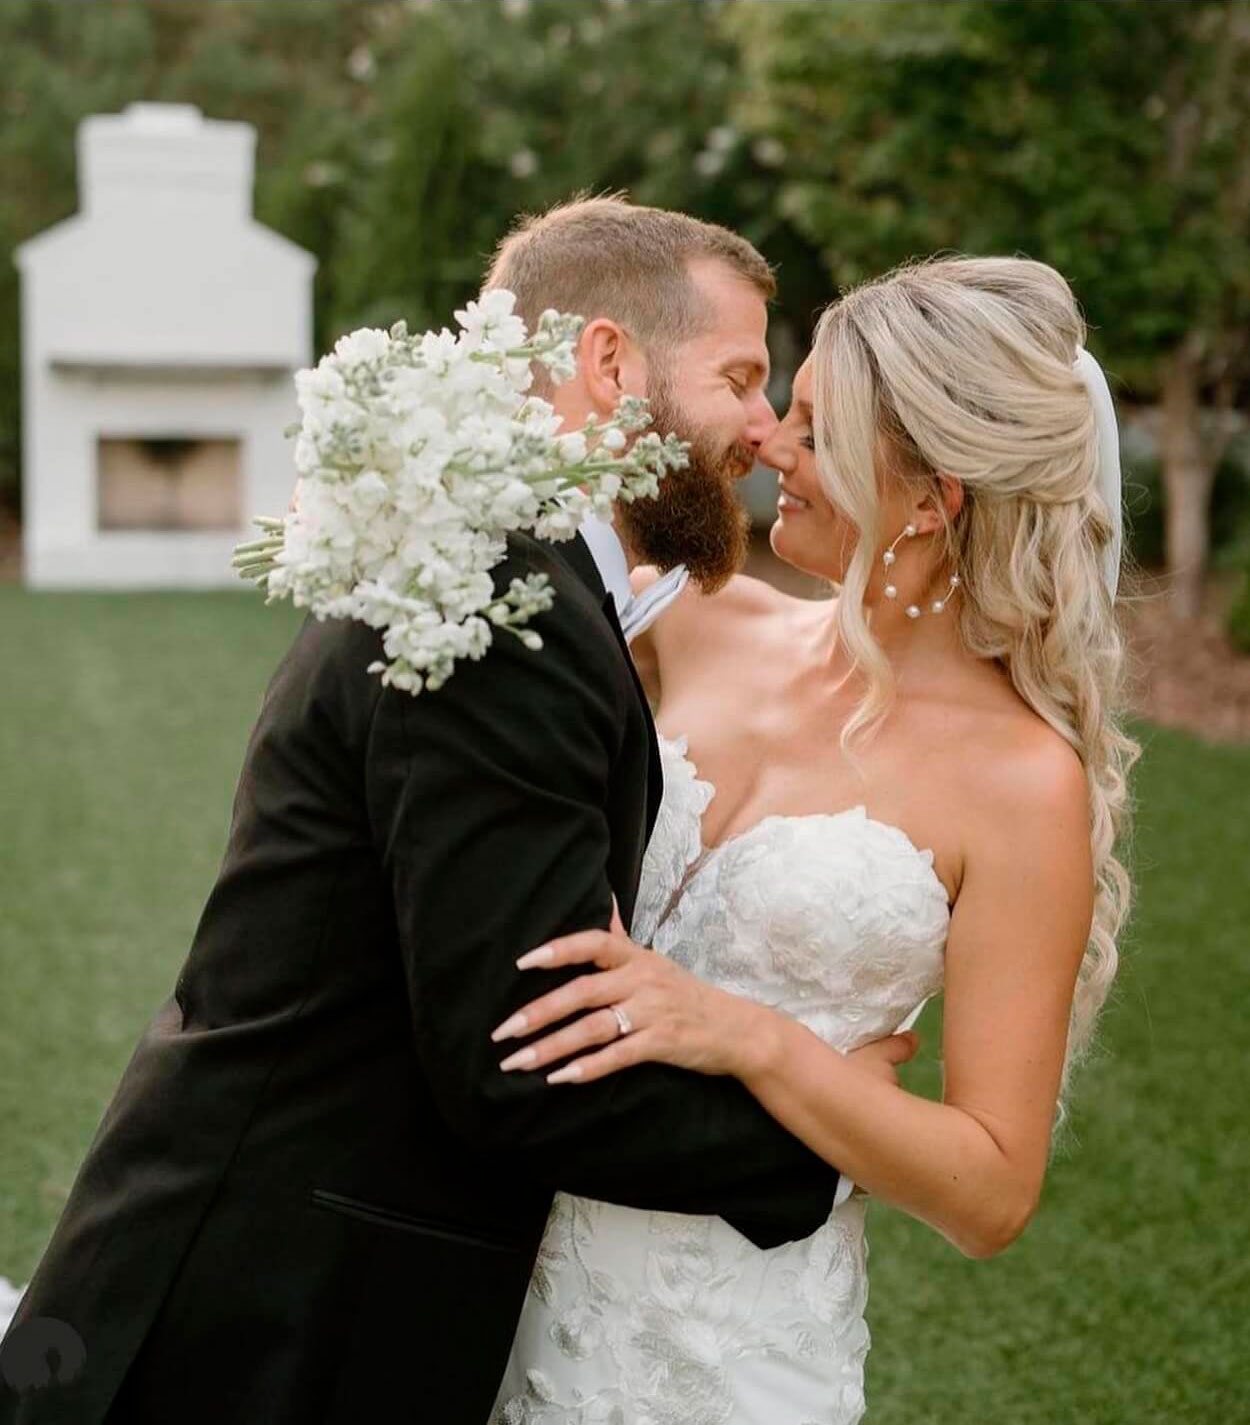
x: 735, y: 318
x: 726, y: 296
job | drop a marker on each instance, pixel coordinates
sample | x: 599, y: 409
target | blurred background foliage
x: 397, y: 141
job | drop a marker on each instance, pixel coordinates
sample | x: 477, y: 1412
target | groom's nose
x: 761, y: 422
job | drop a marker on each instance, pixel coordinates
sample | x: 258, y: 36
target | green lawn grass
x: 122, y: 725
x: 1126, y: 1299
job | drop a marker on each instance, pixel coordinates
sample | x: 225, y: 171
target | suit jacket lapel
x: 575, y: 552
x: 655, y: 768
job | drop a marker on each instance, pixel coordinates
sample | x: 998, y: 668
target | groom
x: 314, y: 1197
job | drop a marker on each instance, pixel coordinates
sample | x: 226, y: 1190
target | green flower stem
x: 575, y: 474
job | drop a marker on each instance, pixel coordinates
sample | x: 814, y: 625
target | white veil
x: 1108, y: 457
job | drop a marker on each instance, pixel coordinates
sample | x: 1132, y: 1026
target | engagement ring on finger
x: 621, y: 1018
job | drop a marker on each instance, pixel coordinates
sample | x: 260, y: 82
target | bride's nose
x: 777, y: 450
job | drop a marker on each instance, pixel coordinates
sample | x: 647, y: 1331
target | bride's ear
x: 948, y: 497
x: 952, y: 495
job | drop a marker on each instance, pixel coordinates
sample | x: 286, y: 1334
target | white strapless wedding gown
x: 655, y: 1318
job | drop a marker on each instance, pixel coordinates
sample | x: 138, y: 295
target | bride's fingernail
x: 566, y: 1074
x: 539, y: 956
x: 510, y: 1028
x: 520, y: 1060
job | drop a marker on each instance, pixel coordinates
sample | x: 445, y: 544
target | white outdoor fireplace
x: 161, y: 328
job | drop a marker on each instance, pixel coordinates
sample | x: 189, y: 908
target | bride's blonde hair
x: 964, y: 367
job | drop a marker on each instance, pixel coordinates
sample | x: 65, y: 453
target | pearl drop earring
x: 940, y: 604
x: 891, y: 591
x: 888, y: 559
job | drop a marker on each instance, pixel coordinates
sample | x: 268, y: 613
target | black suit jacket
x: 314, y: 1196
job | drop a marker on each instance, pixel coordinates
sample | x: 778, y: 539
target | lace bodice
x: 837, y: 920
x: 652, y: 1318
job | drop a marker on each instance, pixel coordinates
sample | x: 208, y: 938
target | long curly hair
x: 964, y: 367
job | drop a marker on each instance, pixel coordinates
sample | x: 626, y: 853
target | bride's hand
x: 674, y: 1017
x: 882, y: 1057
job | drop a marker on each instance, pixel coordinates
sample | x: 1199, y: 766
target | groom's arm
x: 487, y: 798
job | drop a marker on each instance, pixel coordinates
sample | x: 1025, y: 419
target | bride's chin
x: 790, y: 551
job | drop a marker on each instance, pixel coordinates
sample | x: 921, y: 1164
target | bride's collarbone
x: 758, y: 775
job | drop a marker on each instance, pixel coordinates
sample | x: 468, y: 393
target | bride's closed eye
x: 808, y: 443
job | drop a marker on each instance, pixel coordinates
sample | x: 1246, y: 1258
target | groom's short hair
x: 608, y: 257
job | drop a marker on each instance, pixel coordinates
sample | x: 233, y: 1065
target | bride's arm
x: 971, y: 1166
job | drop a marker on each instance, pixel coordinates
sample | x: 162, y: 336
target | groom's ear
x: 610, y: 364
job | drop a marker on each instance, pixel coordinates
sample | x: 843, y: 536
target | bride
x: 917, y: 785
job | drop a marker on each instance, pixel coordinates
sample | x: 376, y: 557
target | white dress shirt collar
x: 635, y: 612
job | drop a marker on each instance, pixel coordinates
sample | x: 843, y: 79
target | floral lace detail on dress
x: 675, y: 842
x: 655, y: 1318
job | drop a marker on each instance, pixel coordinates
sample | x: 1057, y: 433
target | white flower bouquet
x: 417, y: 456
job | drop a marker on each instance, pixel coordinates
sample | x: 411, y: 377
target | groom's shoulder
x: 576, y: 611
x: 526, y: 554
x: 328, y: 661
x: 342, y: 644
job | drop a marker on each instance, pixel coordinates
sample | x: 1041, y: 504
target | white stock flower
x: 490, y: 320
x: 369, y: 488
x: 365, y: 344
x: 323, y: 385
x: 572, y: 448
x: 418, y: 456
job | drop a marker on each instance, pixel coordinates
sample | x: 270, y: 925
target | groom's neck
x: 632, y: 559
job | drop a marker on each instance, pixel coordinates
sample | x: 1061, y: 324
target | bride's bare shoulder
x: 742, y: 597
x: 697, y: 627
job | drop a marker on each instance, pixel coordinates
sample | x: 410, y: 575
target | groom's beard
x: 696, y: 519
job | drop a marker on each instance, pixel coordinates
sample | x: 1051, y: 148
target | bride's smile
x: 790, y: 503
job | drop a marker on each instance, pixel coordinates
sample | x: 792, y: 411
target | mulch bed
x: 10, y: 548
x: 1184, y: 672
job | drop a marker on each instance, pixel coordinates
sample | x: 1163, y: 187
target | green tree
x: 60, y: 64
x: 1106, y: 139
x: 272, y: 65
x: 488, y: 109
x: 398, y: 141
